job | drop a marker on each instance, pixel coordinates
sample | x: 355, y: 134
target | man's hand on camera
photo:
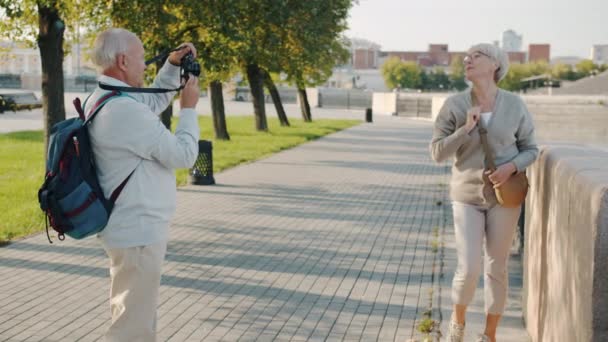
x: 190, y: 93
x: 175, y: 57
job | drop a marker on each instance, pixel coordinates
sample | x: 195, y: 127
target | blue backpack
x: 71, y: 197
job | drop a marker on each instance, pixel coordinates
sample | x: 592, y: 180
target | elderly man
x: 128, y: 138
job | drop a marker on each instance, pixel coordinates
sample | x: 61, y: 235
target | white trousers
x: 471, y: 224
x: 135, y: 274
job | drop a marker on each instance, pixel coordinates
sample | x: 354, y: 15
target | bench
x: 19, y: 101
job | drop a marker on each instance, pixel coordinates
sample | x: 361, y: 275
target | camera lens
x: 190, y: 66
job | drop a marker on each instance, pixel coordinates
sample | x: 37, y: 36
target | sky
x: 571, y: 27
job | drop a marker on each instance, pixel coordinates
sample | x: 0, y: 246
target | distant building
x: 539, y: 52
x: 367, y: 59
x: 438, y: 55
x: 342, y: 78
x: 517, y: 57
x: 364, y: 54
x: 599, y: 54
x: 511, y: 41
x: 18, y: 59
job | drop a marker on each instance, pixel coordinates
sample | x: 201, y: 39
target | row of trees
x: 301, y: 40
x: 559, y: 71
x: 409, y: 75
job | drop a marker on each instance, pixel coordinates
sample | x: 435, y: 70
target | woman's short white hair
x: 109, y: 44
x: 498, y: 55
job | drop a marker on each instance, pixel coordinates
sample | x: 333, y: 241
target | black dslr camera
x: 189, y: 65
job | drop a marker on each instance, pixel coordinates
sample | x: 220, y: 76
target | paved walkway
x: 347, y: 238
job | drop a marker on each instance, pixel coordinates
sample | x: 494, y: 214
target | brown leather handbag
x: 513, y: 192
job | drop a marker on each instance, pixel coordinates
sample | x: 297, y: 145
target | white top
x: 127, y: 135
x: 485, y: 117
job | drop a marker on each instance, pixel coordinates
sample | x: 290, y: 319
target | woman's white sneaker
x: 456, y: 332
x: 483, y: 338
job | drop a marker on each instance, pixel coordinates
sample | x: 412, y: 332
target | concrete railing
x: 414, y: 105
x: 572, y: 119
x: 424, y: 105
x: 384, y: 103
x: 566, y: 245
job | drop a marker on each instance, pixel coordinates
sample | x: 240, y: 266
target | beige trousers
x: 471, y: 224
x: 135, y: 274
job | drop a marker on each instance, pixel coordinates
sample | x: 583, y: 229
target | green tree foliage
x: 392, y: 72
x: 42, y: 22
x: 312, y: 43
x: 457, y: 80
x: 559, y: 71
x: 156, y: 23
x: 565, y: 72
x: 436, y: 80
x: 512, y: 80
x: 300, y: 39
x: 585, y: 67
x: 399, y: 74
x: 538, y: 68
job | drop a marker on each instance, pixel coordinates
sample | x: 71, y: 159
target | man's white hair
x: 109, y: 44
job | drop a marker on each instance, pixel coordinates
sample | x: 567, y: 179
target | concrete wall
x: 384, y: 103
x: 414, y: 105
x: 345, y: 98
x: 436, y: 105
x: 313, y: 97
x: 574, y: 119
x: 566, y: 245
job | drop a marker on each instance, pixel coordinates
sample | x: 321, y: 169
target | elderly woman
x: 477, y: 214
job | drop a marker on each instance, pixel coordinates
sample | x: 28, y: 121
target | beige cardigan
x: 510, y: 136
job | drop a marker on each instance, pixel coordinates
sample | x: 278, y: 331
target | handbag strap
x: 483, y: 136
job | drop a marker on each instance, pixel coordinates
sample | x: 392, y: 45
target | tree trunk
x: 50, y: 43
x: 304, y: 105
x: 167, y: 114
x: 217, y: 111
x: 256, y: 87
x: 276, y: 98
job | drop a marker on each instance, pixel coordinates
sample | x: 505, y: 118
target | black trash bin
x: 368, y: 115
x: 202, y: 171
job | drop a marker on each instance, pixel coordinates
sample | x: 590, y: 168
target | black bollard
x: 368, y: 115
x: 202, y: 171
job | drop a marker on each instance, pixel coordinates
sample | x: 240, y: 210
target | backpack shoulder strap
x: 92, y: 113
x: 100, y: 103
x: 118, y: 190
x: 79, y: 106
x: 85, y: 104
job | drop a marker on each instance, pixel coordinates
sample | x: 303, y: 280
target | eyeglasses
x: 474, y: 56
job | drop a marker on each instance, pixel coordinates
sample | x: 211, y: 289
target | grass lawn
x: 22, y: 167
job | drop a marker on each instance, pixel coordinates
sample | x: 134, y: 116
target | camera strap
x: 138, y: 90
x: 145, y: 90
